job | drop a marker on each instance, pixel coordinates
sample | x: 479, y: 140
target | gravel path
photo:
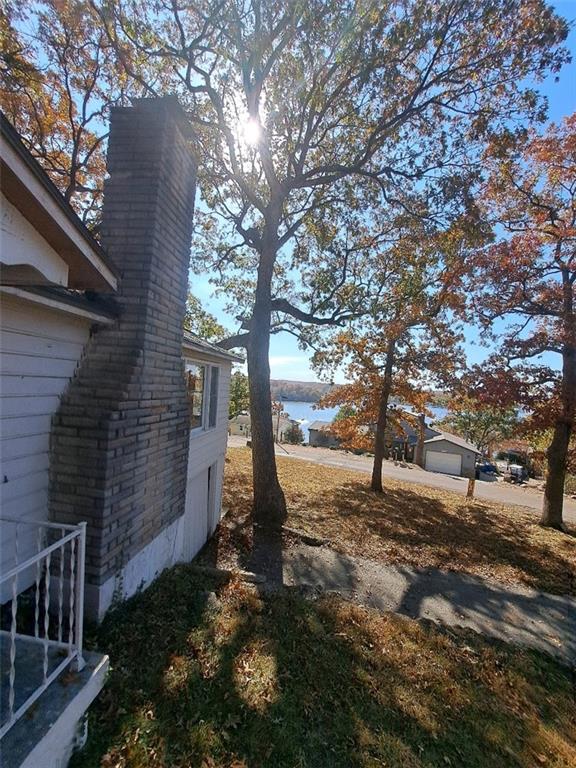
x: 514, y: 614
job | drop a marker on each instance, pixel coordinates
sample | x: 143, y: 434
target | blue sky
x: 287, y: 361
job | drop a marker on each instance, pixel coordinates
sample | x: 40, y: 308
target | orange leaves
x: 66, y: 78
x: 531, y: 185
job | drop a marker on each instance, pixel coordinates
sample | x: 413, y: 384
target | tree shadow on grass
x: 544, y: 622
x: 421, y: 530
x: 237, y: 542
x: 280, y: 682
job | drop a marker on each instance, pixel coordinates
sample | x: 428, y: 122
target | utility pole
x: 279, y: 408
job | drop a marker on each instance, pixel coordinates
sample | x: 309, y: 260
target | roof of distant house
x: 321, y: 426
x: 244, y: 418
x: 193, y: 341
x: 459, y: 441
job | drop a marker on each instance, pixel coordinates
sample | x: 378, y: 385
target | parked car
x: 518, y: 473
x: 486, y: 468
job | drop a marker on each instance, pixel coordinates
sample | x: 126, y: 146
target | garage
x: 450, y: 454
x: 448, y: 463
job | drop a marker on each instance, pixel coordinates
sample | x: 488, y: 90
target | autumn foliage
x: 527, y: 279
x: 310, y: 122
x: 59, y: 77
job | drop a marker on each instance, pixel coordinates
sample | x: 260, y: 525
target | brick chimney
x: 120, y: 437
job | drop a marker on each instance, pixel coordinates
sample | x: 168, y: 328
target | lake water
x: 306, y: 413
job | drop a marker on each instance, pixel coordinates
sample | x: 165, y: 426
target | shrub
x: 294, y: 435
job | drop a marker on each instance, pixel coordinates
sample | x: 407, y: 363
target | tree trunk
x: 554, y: 488
x: 269, y: 503
x: 419, y: 454
x: 380, y: 439
x: 557, y: 453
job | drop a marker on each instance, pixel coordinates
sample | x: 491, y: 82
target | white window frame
x: 208, y: 373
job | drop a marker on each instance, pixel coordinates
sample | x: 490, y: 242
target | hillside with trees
x: 299, y: 391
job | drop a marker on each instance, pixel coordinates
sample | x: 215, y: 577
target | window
x: 202, y: 386
x: 213, y: 405
x: 195, y: 377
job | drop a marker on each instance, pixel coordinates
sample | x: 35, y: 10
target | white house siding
x: 39, y: 351
x: 184, y: 538
x: 207, y: 449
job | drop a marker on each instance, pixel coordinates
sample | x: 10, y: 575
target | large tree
x: 300, y: 109
x: 480, y: 423
x: 410, y: 340
x: 528, y: 278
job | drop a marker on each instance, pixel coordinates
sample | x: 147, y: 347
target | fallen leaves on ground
x: 407, y: 524
x: 315, y: 684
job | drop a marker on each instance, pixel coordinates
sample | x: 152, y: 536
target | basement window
x: 202, y: 387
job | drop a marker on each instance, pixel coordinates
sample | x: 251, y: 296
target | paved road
x: 511, y: 613
x: 499, y: 492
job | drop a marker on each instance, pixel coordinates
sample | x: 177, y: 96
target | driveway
x: 499, y: 492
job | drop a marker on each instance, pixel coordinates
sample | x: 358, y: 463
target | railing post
x: 79, y: 662
x: 53, y: 649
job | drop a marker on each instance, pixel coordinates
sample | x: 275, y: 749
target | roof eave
x: 196, y: 344
x: 26, y: 185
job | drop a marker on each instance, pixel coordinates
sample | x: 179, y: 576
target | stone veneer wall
x: 119, y: 444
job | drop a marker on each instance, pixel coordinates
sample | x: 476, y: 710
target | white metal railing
x: 57, y: 591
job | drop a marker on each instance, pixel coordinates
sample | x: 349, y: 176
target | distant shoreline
x: 290, y: 391
x: 299, y: 391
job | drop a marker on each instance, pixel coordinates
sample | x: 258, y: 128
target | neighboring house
x: 403, y: 438
x: 240, y: 426
x: 320, y: 435
x: 450, y: 455
x: 114, y: 422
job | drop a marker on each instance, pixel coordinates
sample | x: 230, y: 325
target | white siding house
x: 40, y: 349
x: 44, y: 327
x: 44, y: 250
x: 207, y: 441
x: 181, y: 541
x: 61, y: 313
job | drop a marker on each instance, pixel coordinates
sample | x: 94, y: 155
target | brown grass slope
x: 249, y: 681
x: 408, y: 524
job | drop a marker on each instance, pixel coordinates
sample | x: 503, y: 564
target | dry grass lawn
x: 242, y: 680
x: 408, y: 524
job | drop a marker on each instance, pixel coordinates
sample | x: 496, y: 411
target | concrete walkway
x: 513, y: 614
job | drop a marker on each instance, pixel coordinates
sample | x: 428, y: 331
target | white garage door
x: 448, y: 463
